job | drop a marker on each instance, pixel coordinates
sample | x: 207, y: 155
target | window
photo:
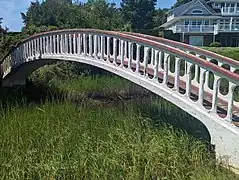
x: 186, y: 22
x: 196, y: 23
x: 197, y: 11
x: 206, y: 23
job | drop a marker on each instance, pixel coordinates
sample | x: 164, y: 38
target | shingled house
x: 201, y: 22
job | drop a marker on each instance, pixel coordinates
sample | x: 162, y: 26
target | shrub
x: 215, y: 44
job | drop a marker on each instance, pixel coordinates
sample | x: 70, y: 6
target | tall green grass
x: 44, y: 135
x: 232, y: 52
x: 65, y: 141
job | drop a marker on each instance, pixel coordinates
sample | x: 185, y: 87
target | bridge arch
x: 144, y: 62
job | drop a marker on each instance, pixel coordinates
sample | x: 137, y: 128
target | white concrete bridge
x: 201, y: 83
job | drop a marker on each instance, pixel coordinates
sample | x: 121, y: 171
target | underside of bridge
x: 19, y: 75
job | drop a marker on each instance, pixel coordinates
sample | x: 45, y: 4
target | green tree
x: 180, y: 2
x: 160, y: 17
x: 103, y: 15
x: 138, y: 14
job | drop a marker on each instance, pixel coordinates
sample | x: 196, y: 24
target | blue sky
x: 10, y: 11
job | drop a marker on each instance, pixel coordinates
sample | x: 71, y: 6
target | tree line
x: 132, y: 15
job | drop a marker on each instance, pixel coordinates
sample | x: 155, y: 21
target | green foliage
x: 231, y: 52
x: 180, y: 2
x: 159, y: 17
x: 138, y: 13
x: 215, y: 44
x: 62, y: 14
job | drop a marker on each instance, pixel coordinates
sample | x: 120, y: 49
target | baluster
x: 215, y: 93
x: 201, y: 88
x: 185, y: 68
x: 177, y: 74
x: 130, y: 55
x: 119, y: 48
x: 74, y: 43
x: 161, y: 60
x: 85, y: 44
x: 126, y: 49
x: 95, y: 45
x: 207, y: 79
x: 166, y: 62
x: 102, y: 47
x: 189, y: 79
x: 122, y: 53
x: 61, y: 44
x: 66, y: 44
x: 38, y: 46
x: 44, y: 45
x: 41, y: 49
x: 27, y: 50
x: 108, y: 48
x: 138, y: 58
x: 152, y: 57
x: 156, y: 63
x: 146, y: 49
x: 79, y: 44
x: 196, y: 72
x: 24, y: 51
x: 31, y: 48
x: 115, y: 51
x: 70, y: 43
x: 57, y: 44
x: 169, y: 62
x: 35, y: 47
x: 90, y: 44
x: 16, y: 58
x: 13, y: 57
x: 51, y: 45
x: 99, y: 44
x: 20, y: 54
x: 54, y: 44
x: 230, y: 101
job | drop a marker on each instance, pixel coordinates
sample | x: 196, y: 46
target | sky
x: 10, y: 11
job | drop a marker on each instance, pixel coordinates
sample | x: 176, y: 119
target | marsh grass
x: 43, y: 135
x: 65, y: 141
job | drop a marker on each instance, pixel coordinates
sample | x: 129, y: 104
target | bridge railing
x: 176, y: 70
x: 222, y: 61
x: 231, y: 64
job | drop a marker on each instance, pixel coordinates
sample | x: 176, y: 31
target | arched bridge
x: 201, y: 83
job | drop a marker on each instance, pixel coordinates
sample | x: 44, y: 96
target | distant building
x: 201, y: 22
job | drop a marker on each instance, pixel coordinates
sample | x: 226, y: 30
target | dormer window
x: 197, y: 11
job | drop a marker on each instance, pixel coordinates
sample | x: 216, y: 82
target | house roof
x: 183, y: 8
